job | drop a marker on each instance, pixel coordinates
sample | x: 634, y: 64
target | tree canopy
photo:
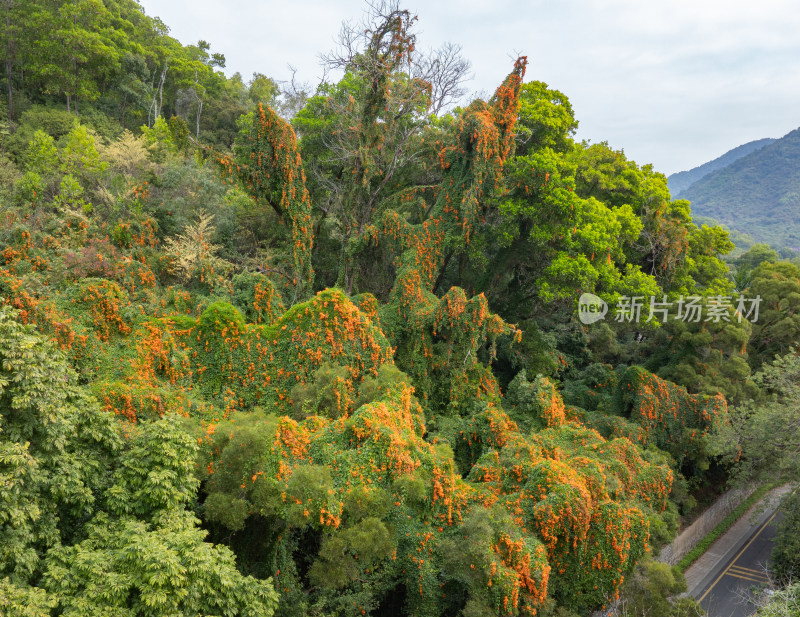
x: 320, y: 353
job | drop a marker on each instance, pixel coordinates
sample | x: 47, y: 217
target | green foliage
x: 762, y: 438
x: 267, y: 163
x: 56, y: 445
x: 257, y: 298
x: 74, y: 485
x: 593, y: 389
x: 739, y: 194
x: 706, y: 357
x: 29, y: 189
x: 52, y: 122
x: 79, y: 156
x: 329, y: 394
x: 546, y: 119
x: 349, y: 554
x: 783, y: 603
x: 23, y: 601
x: 155, y: 470
x: 70, y: 195
x: 654, y: 589
x: 376, y: 448
x: 669, y: 417
x: 723, y: 526
x: 762, y: 434
x: 179, y: 133
x: 778, y: 326
x: 748, y: 261
x: 534, y: 405
x: 9, y: 174
x: 786, y: 551
x: 42, y: 157
x: 158, y: 140
x: 240, y: 456
x: 129, y: 567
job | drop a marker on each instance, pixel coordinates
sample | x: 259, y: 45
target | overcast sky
x: 674, y: 83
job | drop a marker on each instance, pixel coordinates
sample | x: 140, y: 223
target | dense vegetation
x: 682, y: 180
x: 757, y: 194
x: 333, y: 365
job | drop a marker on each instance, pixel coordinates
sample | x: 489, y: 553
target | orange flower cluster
x: 663, y: 410
x: 557, y: 483
x: 524, y: 574
x: 272, y: 172
x: 104, y: 300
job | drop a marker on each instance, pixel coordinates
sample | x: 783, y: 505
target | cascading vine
x: 267, y: 163
x: 472, y: 167
x: 474, y: 163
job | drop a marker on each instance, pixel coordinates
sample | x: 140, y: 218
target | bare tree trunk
x: 150, y: 108
x: 199, y: 111
x: 161, y: 90
x: 199, y: 106
x: 155, y: 108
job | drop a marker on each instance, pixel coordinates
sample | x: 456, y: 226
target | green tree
x: 267, y: 162
x: 546, y: 119
x: 362, y: 137
x: 762, y: 442
x: 58, y: 443
x: 10, y: 40
x: 785, y: 560
x: 777, y: 286
x: 747, y: 262
x: 652, y: 591
x: 42, y: 155
x: 262, y: 89
x: 80, y: 156
x: 99, y: 522
x: 23, y: 601
x: 130, y: 567
x: 79, y: 56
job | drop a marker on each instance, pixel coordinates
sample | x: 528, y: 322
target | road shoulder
x: 702, y: 572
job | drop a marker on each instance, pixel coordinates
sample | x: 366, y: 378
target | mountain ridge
x: 757, y: 194
x: 682, y: 180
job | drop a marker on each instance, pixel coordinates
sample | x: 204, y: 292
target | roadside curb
x: 690, y: 537
x: 699, y: 574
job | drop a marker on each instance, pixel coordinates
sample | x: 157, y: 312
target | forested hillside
x: 271, y: 352
x: 682, y: 180
x: 758, y: 194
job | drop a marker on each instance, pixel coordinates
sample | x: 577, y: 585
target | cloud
x: 672, y: 82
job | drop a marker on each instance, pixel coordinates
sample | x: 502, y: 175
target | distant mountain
x: 757, y: 194
x: 682, y: 180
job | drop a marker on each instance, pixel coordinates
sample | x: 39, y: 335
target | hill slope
x: 758, y: 194
x: 682, y: 180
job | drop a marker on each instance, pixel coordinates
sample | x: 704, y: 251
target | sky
x: 673, y: 83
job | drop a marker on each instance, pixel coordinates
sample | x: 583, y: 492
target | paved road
x: 727, y: 590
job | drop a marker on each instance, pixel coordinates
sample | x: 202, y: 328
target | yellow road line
x: 749, y: 571
x: 746, y: 546
x: 747, y: 578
